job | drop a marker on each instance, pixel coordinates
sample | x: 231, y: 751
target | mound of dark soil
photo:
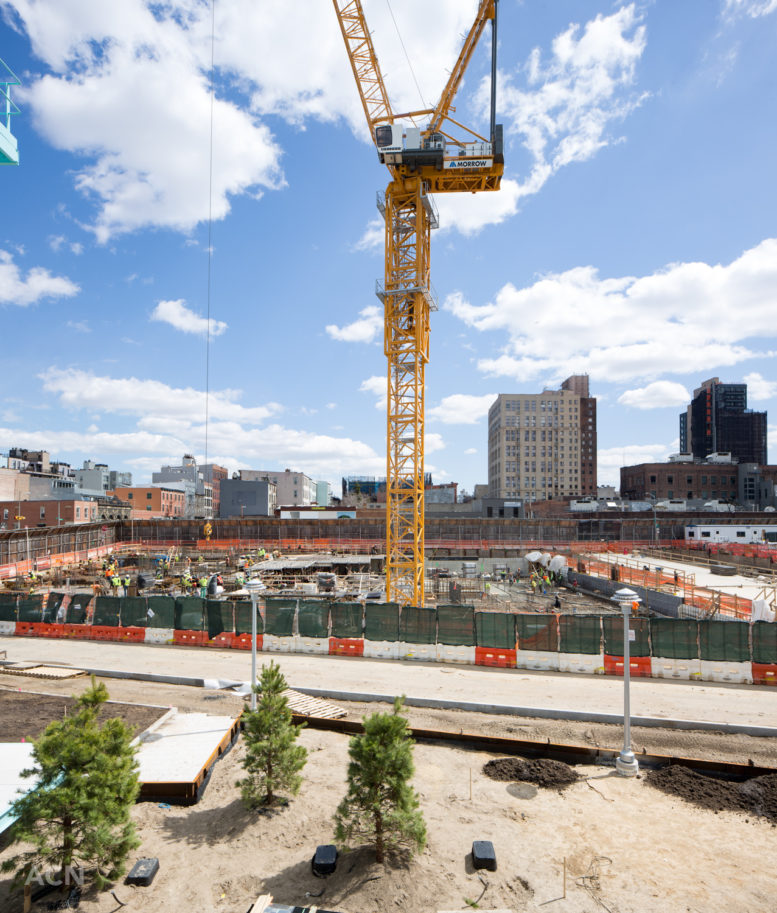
x: 539, y: 771
x: 757, y: 796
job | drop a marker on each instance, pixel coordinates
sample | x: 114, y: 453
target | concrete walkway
x: 744, y: 705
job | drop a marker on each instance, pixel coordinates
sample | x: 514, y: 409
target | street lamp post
x: 626, y: 764
x: 253, y: 587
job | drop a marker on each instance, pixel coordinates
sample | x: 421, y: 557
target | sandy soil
x: 627, y: 845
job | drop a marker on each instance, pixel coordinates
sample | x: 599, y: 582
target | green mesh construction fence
x: 189, y: 613
x: 313, y: 618
x: 213, y: 619
x: 30, y: 608
x: 418, y: 625
x: 51, y: 610
x: 279, y: 616
x: 612, y: 627
x: 381, y: 621
x: 675, y: 638
x: 456, y: 625
x: 227, y: 612
x: 764, y: 642
x: 347, y: 619
x: 243, y: 619
x: 495, y: 629
x: 106, y: 610
x: 75, y: 614
x: 724, y: 641
x: 8, y: 606
x: 537, y: 632
x: 579, y: 634
x: 160, y: 612
x: 134, y: 612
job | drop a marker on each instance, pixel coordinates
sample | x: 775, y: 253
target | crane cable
x: 407, y: 56
x: 210, y: 224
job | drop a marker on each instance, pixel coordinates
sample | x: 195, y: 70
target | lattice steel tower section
x: 422, y: 161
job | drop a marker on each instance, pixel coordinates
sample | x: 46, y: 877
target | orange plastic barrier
x: 764, y: 673
x: 190, y: 638
x: 495, y: 656
x: 346, y: 646
x: 79, y: 632
x: 132, y: 634
x: 104, y: 632
x: 27, y: 628
x: 52, y: 630
x: 225, y: 639
x: 243, y: 641
x: 639, y: 666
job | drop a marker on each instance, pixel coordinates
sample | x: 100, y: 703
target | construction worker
x: 126, y: 584
x: 239, y: 580
x: 203, y: 586
x: 115, y: 583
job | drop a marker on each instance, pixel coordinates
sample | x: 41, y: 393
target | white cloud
x: 564, y: 113
x: 378, y: 386
x: 80, y: 326
x: 609, y: 460
x: 469, y: 213
x: 182, y: 318
x: 36, y: 286
x: 462, y: 408
x: 365, y: 329
x: 151, y: 399
x: 373, y: 237
x: 752, y: 8
x: 657, y: 395
x: 759, y: 387
x: 617, y: 329
x: 127, y: 87
x: 432, y: 442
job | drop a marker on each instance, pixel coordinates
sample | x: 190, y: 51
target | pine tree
x: 381, y: 806
x: 78, y: 817
x: 272, y: 760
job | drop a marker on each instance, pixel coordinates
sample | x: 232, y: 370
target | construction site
x: 591, y: 702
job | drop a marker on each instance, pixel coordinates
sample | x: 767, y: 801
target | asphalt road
x: 707, y: 702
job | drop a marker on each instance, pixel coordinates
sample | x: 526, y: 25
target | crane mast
x: 421, y: 161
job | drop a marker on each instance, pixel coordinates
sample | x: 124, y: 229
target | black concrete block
x: 143, y: 872
x: 325, y: 860
x: 483, y: 855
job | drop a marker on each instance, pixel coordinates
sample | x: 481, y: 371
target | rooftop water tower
x: 9, y: 149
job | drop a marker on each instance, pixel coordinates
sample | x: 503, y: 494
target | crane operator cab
x: 399, y: 145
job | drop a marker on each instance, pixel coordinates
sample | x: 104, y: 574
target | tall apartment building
x: 717, y: 420
x: 542, y: 446
x: 292, y: 487
x: 98, y: 477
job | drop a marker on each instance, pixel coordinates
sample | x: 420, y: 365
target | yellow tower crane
x: 422, y: 160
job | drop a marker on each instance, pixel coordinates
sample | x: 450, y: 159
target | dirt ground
x: 24, y: 715
x: 626, y: 846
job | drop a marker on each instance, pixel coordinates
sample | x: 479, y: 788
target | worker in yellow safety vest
x: 203, y: 587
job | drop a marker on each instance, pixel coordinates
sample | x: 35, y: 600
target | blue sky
x: 634, y: 237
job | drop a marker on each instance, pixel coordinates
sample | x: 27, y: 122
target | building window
x: 78, y: 513
x: 148, y: 495
x: 43, y: 513
x: 129, y: 495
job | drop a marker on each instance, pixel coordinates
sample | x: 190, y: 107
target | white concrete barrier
x: 159, y: 635
x: 591, y: 663
x: 543, y: 660
x: 685, y: 669
x: 381, y: 649
x: 424, y: 652
x: 713, y: 671
x: 310, y: 644
x: 271, y: 643
x: 449, y: 653
x: 7, y: 627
